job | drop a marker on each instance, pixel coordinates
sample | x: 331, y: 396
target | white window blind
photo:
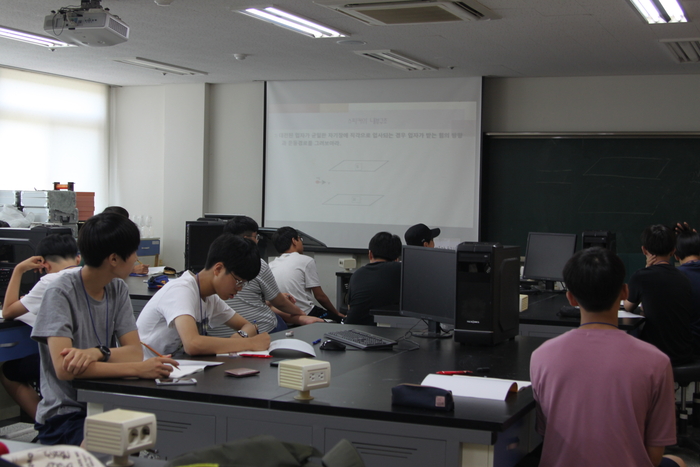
x: 53, y: 129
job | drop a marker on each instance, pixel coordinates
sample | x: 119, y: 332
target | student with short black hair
x: 665, y: 296
x: 56, y: 254
x: 603, y: 397
x: 378, y: 283
x: 688, y: 254
x: 296, y: 274
x: 182, y: 312
x: 82, y: 313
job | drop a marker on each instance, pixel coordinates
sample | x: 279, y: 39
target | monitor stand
x: 434, y: 331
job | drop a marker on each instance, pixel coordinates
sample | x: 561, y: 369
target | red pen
x: 460, y: 372
x: 254, y: 355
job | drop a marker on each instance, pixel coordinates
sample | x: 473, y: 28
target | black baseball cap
x: 420, y: 233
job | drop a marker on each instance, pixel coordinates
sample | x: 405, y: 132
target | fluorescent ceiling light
x: 660, y: 11
x: 160, y: 66
x: 391, y: 58
x: 292, y: 22
x: 31, y: 38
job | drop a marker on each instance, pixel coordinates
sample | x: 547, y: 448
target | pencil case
x: 424, y: 397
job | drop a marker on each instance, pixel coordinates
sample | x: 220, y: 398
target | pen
x: 155, y: 352
x: 460, y: 372
x: 316, y: 342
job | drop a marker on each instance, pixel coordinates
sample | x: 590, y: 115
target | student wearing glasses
x: 180, y: 315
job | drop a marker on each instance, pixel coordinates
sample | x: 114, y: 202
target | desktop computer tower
x: 488, y: 287
x: 601, y: 238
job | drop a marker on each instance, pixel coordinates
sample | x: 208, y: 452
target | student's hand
x: 140, y: 269
x: 290, y: 297
x: 76, y: 361
x: 305, y: 319
x: 651, y: 260
x: 258, y: 342
x: 32, y: 263
x: 156, y: 368
x: 683, y: 227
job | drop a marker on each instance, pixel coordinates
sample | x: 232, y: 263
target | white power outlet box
x: 304, y: 374
x: 120, y: 433
x: 347, y: 263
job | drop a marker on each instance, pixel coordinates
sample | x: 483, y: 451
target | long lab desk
x: 356, y: 406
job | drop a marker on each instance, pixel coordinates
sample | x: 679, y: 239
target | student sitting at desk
x: 665, y: 296
x: 81, y: 313
x: 603, y: 397
x: 296, y: 275
x: 688, y: 254
x: 378, y: 283
x: 180, y: 314
x: 260, y: 301
x: 56, y: 254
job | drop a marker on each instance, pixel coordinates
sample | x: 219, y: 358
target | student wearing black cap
x: 421, y: 235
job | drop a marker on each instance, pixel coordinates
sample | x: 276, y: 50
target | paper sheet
x: 188, y: 367
x: 627, y: 314
x: 475, y: 386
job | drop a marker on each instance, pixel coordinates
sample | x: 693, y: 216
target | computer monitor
x: 546, y: 255
x: 429, y: 286
x: 199, y: 235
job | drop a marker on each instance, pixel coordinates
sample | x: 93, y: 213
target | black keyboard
x: 360, y: 339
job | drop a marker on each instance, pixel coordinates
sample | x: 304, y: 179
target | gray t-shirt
x: 65, y: 312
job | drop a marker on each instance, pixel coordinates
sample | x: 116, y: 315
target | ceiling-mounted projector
x: 88, y: 25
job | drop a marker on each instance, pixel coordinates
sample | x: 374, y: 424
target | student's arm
x: 195, y: 344
x: 655, y: 454
x: 12, y: 307
x: 323, y: 299
x: 76, y: 361
x: 61, y: 347
x: 282, y: 303
x: 630, y: 306
x: 299, y: 320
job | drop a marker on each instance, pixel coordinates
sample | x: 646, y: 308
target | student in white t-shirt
x: 182, y: 312
x: 296, y: 275
x: 56, y: 254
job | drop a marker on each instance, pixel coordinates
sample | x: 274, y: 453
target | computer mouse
x: 332, y: 345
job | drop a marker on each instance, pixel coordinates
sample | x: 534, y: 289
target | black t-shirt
x: 666, y: 297
x: 373, y: 285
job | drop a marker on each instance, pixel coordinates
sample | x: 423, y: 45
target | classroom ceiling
x: 531, y: 38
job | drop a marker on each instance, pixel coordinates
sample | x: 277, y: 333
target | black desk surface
x: 138, y: 289
x: 542, y: 309
x: 361, y: 381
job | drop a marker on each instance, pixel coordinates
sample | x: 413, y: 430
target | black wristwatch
x: 106, y: 353
x: 242, y: 333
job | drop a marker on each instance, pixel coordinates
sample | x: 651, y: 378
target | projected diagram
x: 355, y: 199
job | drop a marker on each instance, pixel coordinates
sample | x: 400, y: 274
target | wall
x: 235, y: 177
x: 600, y: 104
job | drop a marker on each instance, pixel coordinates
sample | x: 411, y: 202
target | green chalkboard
x: 573, y: 183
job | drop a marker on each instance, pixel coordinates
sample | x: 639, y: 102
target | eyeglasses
x: 256, y: 237
x: 239, y: 282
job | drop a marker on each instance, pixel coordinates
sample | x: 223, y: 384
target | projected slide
x: 343, y: 171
